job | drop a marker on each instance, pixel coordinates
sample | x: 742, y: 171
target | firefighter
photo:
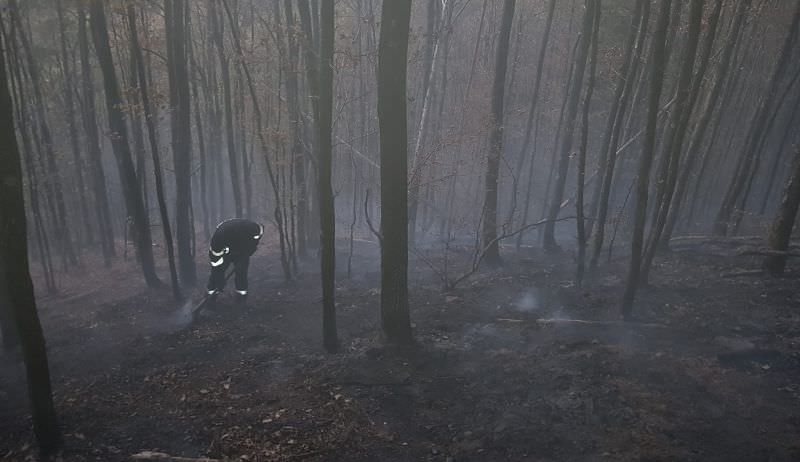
x: 233, y: 242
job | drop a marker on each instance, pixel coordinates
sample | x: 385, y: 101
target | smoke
x: 529, y: 302
x: 181, y: 318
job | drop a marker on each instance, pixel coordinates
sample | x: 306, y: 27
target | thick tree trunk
x: 791, y: 132
x: 98, y: 175
x: 8, y: 324
x: 656, y: 72
x: 119, y: 142
x: 393, y: 124
x: 492, y: 179
x: 175, y: 25
x: 43, y: 246
x: 781, y: 231
x: 326, y: 210
x: 16, y: 278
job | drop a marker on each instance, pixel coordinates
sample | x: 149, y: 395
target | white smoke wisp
x: 181, y: 318
x: 529, y: 302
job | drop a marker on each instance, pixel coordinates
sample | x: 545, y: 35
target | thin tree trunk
x: 418, y: 164
x: 656, y: 72
x: 684, y: 106
x: 579, y: 200
x: 698, y: 137
x: 598, y: 210
x: 574, y: 91
x: 72, y: 127
x: 757, y: 131
x: 218, y: 25
x: 298, y: 158
x: 152, y: 133
x: 537, y: 83
x: 260, y: 128
x: 39, y: 105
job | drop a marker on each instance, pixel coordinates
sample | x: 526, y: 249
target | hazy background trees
x: 649, y: 120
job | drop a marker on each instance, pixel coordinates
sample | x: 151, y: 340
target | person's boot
x: 241, y: 297
x: 211, y: 303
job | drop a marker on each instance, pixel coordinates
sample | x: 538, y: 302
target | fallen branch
x: 736, y: 274
x: 600, y: 323
x: 769, y: 253
x: 304, y: 455
x: 160, y: 456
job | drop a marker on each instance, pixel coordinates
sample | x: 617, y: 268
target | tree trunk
x: 574, y: 92
x: 598, y: 210
x: 698, y: 137
x: 310, y: 49
x: 175, y: 25
x: 656, y: 72
x: 260, y: 128
x: 684, y: 106
x: 218, y: 24
x: 15, y: 79
x: 532, y: 116
x: 748, y: 155
x: 298, y: 157
x: 790, y: 132
x: 119, y: 141
x: 418, y: 164
x: 492, y: 179
x: 152, y: 133
x: 72, y: 127
x: 326, y: 209
x: 579, y: 199
x: 97, y: 170
x: 15, y: 275
x: 780, y: 232
x: 393, y: 125
x: 53, y: 175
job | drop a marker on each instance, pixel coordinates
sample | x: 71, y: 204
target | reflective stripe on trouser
x: 216, y: 282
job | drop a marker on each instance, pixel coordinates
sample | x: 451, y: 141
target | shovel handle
x: 205, y: 299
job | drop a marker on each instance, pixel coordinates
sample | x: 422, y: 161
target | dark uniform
x: 233, y: 242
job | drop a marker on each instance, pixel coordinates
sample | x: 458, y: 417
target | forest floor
x: 710, y: 371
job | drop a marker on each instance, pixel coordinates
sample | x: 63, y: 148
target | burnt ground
x: 710, y: 372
